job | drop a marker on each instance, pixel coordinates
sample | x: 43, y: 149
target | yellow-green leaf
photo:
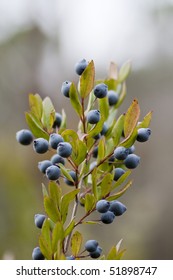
x: 57, y: 235
x: 35, y: 126
x: 48, y: 115
x: 124, y: 71
x: 76, y: 242
x: 121, y: 192
x: 74, y: 98
x: 131, y: 118
x: 87, y: 80
x: 117, y: 130
x: 45, y: 240
x: 51, y: 210
x: 89, y: 202
x: 35, y: 103
x: 65, y: 202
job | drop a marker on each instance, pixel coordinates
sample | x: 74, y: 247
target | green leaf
x: 104, y: 107
x: 45, y: 240
x: 35, y: 127
x: 74, y: 98
x: 35, y: 103
x: 69, y: 228
x: 76, y: 242
x: 101, y: 150
x: 122, y: 95
x: 55, y: 193
x: 48, y: 115
x: 146, y: 120
x: 65, y: 172
x: 121, y: 180
x: 51, y: 209
x: 44, y: 190
x: 87, y: 80
x: 89, y: 202
x: 106, y: 185
x: 63, y: 122
x: 96, y: 128
x: 131, y: 118
x: 65, y: 202
x: 81, y: 153
x: 94, y: 182
x: 79, y: 149
x: 117, y: 130
x: 124, y: 71
x: 130, y: 140
x: 57, y: 235
x: 121, y: 192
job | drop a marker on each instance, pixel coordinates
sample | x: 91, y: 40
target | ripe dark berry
x: 37, y: 254
x: 65, y: 88
x: 96, y: 254
x: 143, y: 134
x: 64, y: 149
x: 93, y: 116
x: 53, y: 172
x: 24, y: 137
x: 58, y: 120
x: 131, y: 149
x: 54, y: 140
x: 117, y: 208
x: 118, y: 172
x: 108, y: 217
x: 104, y: 129
x: 43, y: 165
x: 100, y: 90
x: 55, y: 159
x: 91, y: 245
x: 121, y: 153
x: 73, y: 175
x: 80, y: 66
x: 95, y: 152
x: 112, y: 97
x: 40, y: 145
x: 132, y: 161
x: 39, y: 220
x: 102, y: 206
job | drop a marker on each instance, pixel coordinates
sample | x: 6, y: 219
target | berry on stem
x: 108, y: 217
x: 102, y: 206
x: 40, y: 145
x: 53, y: 172
x: 54, y: 140
x: 93, y: 116
x: 91, y: 245
x: 65, y: 88
x: 37, y: 254
x: 143, y: 134
x: 24, y: 137
x: 64, y: 149
x: 100, y: 90
x: 80, y: 66
x: 43, y: 165
x: 132, y: 161
x: 117, y: 207
x: 121, y: 153
x: 39, y: 220
x: 118, y: 172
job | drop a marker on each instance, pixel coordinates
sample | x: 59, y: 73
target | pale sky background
x: 107, y: 29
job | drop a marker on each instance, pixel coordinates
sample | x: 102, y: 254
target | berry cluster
x: 94, y: 160
x: 109, y: 210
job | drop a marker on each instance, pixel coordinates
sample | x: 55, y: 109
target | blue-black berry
x: 65, y: 88
x: 53, y: 172
x: 37, y: 254
x: 100, y: 90
x: 117, y: 207
x: 93, y: 116
x: 80, y: 66
x: 40, y: 145
x: 132, y: 161
x: 24, y: 137
x: 64, y: 149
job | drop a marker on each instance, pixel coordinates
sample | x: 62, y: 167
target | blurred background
x: 40, y: 42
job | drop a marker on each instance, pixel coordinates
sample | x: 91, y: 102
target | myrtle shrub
x: 94, y: 161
